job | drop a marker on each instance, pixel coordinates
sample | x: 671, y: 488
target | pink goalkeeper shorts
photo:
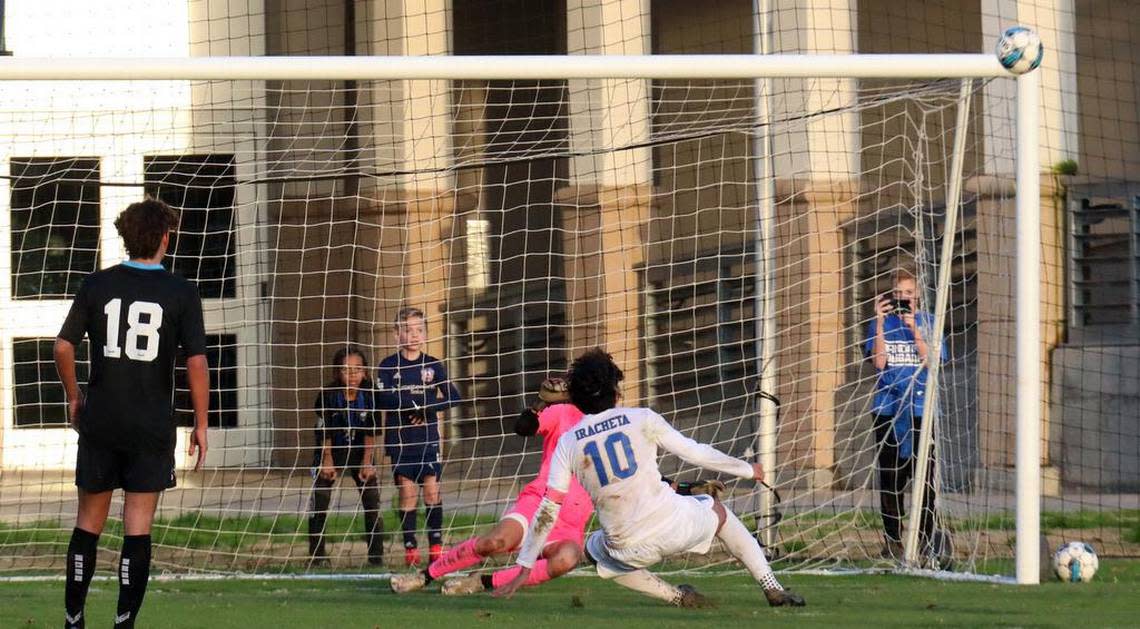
x: 571, y: 523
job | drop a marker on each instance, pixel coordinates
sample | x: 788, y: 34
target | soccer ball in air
x: 1019, y: 50
x: 1075, y: 562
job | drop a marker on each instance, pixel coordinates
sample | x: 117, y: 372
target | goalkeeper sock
x: 538, y: 574
x: 134, y: 572
x: 649, y: 584
x: 81, y: 552
x: 454, y: 560
x: 408, y: 523
x: 433, y: 514
x: 743, y: 546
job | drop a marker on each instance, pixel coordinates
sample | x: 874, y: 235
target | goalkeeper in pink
x: 549, y: 417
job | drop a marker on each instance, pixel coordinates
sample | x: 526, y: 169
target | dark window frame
x: 204, y: 190
x: 65, y: 194
x: 1103, y: 255
x: 222, y: 356
x: 41, y: 403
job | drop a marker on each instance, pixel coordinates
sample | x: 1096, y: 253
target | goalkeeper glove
x: 553, y: 391
x: 711, y: 487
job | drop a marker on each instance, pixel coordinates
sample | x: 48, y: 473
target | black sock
x: 488, y: 581
x: 80, y: 567
x: 434, y: 516
x: 134, y: 572
x: 408, y: 523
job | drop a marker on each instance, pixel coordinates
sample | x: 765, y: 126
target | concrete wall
x: 1096, y: 432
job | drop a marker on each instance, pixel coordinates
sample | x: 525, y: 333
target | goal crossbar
x: 521, y: 67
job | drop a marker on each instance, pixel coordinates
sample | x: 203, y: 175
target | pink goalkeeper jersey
x: 553, y: 422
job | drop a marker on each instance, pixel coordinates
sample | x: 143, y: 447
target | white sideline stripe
x: 370, y: 576
x: 581, y: 572
x: 739, y: 66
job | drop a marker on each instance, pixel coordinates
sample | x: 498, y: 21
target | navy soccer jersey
x: 136, y: 318
x: 903, y: 380
x: 344, y: 424
x: 407, y: 389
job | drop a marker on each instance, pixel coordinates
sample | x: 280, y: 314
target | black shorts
x: 99, y: 468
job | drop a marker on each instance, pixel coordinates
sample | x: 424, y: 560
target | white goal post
x: 913, y: 66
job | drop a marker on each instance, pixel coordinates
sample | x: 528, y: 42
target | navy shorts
x: 416, y: 471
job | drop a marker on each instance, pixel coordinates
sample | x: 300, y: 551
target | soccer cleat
x: 412, y: 557
x: 784, y: 598
x: 462, y: 586
x: 435, y: 552
x: 408, y: 582
x: 688, y: 597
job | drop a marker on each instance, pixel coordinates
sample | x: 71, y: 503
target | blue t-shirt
x: 345, y: 423
x: 902, y: 383
x: 408, y: 388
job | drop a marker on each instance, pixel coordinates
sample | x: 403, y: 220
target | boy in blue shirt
x: 896, y: 344
x: 412, y: 387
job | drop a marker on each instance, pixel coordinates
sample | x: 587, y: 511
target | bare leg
x: 505, y: 537
x: 93, y: 510
x: 557, y: 559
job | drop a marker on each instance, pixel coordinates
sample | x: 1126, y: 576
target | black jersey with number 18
x: 136, y: 318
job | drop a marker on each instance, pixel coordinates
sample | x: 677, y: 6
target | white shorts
x: 690, y: 529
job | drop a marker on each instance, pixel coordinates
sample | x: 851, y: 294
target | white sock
x: 649, y: 584
x: 744, y: 547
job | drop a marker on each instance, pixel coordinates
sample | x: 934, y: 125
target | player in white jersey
x: 613, y: 453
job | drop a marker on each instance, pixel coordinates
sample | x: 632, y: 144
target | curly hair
x: 142, y: 226
x: 338, y: 360
x: 594, y: 379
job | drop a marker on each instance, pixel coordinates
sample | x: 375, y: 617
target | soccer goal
x: 724, y: 225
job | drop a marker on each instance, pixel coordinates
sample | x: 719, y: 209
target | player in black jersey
x: 136, y: 315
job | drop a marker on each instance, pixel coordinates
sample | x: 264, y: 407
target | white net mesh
x: 530, y: 221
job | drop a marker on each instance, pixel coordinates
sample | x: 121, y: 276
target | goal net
x: 726, y: 240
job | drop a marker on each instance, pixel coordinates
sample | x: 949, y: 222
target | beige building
x: 535, y: 219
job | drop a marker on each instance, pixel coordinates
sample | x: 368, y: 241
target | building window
x: 202, y: 187
x: 55, y: 225
x: 221, y: 354
x: 1104, y: 259
x: 40, y: 401
x: 700, y: 335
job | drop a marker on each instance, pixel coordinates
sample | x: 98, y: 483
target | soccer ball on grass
x: 1075, y: 562
x: 1019, y: 49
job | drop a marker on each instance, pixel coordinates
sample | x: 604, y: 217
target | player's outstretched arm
x: 198, y: 376
x: 64, y: 352
x: 703, y: 455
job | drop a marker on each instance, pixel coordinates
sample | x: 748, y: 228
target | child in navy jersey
x: 346, y: 436
x: 412, y: 388
x: 896, y: 344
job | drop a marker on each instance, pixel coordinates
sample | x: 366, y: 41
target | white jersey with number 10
x: 614, y: 456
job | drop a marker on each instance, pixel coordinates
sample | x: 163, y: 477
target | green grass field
x: 1112, y: 600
